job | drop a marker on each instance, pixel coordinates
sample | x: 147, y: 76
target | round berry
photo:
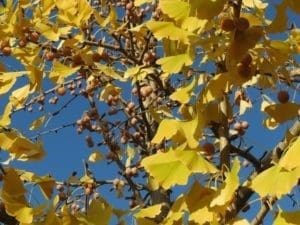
x: 227, y: 24
x: 208, y: 148
x: 242, y: 24
x: 283, y: 96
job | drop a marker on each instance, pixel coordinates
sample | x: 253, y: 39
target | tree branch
x: 244, y: 193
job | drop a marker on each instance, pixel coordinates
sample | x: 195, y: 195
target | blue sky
x: 66, y: 150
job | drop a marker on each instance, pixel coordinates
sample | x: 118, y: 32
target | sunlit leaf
x: 176, y: 9
x: 149, y: 212
x: 60, y: 72
x: 225, y: 194
x: 287, y: 218
x: 173, y: 64
x: 197, y: 200
x: 281, y: 183
x: 175, y: 166
x: 282, y: 112
x: 95, y: 156
x: 169, y: 30
x: 290, y: 159
x: 279, y: 23
x: 37, y: 123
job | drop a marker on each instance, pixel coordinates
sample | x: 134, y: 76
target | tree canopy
x: 175, y: 98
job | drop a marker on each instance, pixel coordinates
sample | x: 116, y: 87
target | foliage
x: 169, y: 86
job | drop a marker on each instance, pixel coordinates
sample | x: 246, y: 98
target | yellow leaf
x: 35, y: 75
x: 197, y: 200
x: 166, y: 169
x: 242, y: 42
x: 12, y: 184
x: 225, y: 194
x: 108, y: 90
x: 47, y: 31
x: 95, y: 156
x: 279, y: 23
x: 179, y: 131
x: 216, y: 88
x: 287, y: 218
x: 99, y: 211
x: 239, y: 222
x: 141, y: 2
x: 294, y: 5
x: 19, y: 147
x: 175, y: 166
x: 144, y: 221
x: 281, y: 183
x: 37, y: 123
x: 244, y: 105
x: 183, y: 94
x: 175, y: 9
x: 46, y: 183
x: 290, y: 159
x: 169, y: 30
x: 8, y: 79
x: 110, y: 19
x: 282, y: 112
x: 255, y: 4
x: 206, y: 9
x: 67, y: 218
x: 19, y: 96
x: 12, y: 195
x: 192, y: 24
x: 107, y: 70
x: 270, y: 123
x: 60, y: 72
x: 174, y: 64
x: 5, y: 119
x: 149, y: 212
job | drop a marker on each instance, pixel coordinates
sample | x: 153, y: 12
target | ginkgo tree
x: 172, y: 89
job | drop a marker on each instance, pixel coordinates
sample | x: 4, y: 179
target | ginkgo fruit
x: 88, y: 191
x: 146, y: 91
x: 237, y: 126
x: 77, y: 60
x: 129, y: 5
x: 61, y: 90
x: 242, y: 24
x: 247, y: 59
x: 283, y: 96
x: 245, y: 124
x: 4, y: 43
x: 22, y: 42
x: 25, y: 29
x: 6, y: 50
x: 133, y: 203
x: 244, y: 70
x: 227, y: 24
x: 89, y: 141
x: 50, y: 56
x: 208, y: 148
x: 60, y: 187
x: 34, y: 36
x: 96, y: 57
